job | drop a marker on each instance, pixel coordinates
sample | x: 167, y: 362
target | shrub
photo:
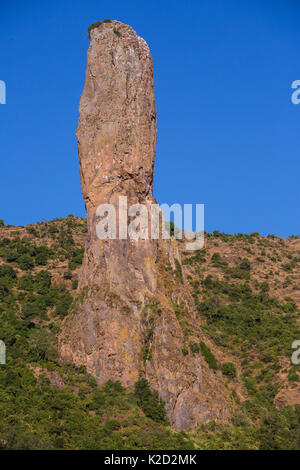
x: 93, y: 26
x: 7, y: 271
x: 26, y: 283
x: 149, y: 401
x: 42, y: 281
x: 25, y: 262
x: 217, y: 261
x: 229, y: 369
x: 293, y: 375
x: 64, y: 304
x: 208, y: 356
x: 264, y: 287
x: 77, y: 257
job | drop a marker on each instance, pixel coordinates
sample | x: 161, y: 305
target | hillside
x: 235, y: 304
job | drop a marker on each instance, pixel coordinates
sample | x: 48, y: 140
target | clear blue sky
x: 228, y: 134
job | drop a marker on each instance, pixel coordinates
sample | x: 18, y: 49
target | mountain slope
x: 237, y: 311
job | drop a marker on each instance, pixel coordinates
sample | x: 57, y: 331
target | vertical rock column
x: 116, y: 145
x: 109, y: 327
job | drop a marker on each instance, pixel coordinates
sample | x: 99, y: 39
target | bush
x: 26, y: 283
x: 7, y: 271
x: 217, y: 261
x: 293, y: 375
x: 149, y: 401
x: 208, y: 356
x: 93, y: 26
x: 229, y: 369
x: 64, y: 304
x: 25, y: 262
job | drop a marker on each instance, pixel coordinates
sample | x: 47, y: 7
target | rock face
x: 121, y: 282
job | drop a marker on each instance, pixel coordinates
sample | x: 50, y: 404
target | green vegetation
x: 93, y: 26
x: 239, y: 315
x: 148, y: 400
x: 47, y: 405
x: 229, y: 369
x: 60, y: 406
x: 208, y: 356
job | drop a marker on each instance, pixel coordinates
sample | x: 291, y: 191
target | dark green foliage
x: 42, y: 281
x: 107, y: 21
x: 93, y: 26
x: 7, y: 271
x: 264, y: 287
x: 208, y: 356
x: 25, y: 262
x: 117, y: 32
x: 170, y: 228
x: 291, y: 265
x: 53, y: 229
x: 76, y: 258
x: 229, y: 369
x: 149, y: 401
x: 25, y: 254
x: 26, y: 283
x: 67, y: 275
x: 64, y: 304
x: 293, y: 375
x: 241, y: 271
x: 252, y: 320
x: 217, y: 261
x: 32, y: 231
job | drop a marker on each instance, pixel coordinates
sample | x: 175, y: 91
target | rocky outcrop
x: 124, y: 324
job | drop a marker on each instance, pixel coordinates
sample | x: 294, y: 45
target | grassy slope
x: 249, y: 318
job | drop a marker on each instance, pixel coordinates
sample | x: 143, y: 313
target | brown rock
x: 116, y: 144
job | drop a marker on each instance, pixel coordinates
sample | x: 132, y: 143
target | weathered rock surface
x: 122, y: 281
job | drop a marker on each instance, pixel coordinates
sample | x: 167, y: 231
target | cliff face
x: 125, y: 324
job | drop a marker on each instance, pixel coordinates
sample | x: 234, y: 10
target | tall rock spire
x: 116, y: 145
x: 132, y: 316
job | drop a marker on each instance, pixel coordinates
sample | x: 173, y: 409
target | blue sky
x: 228, y: 134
